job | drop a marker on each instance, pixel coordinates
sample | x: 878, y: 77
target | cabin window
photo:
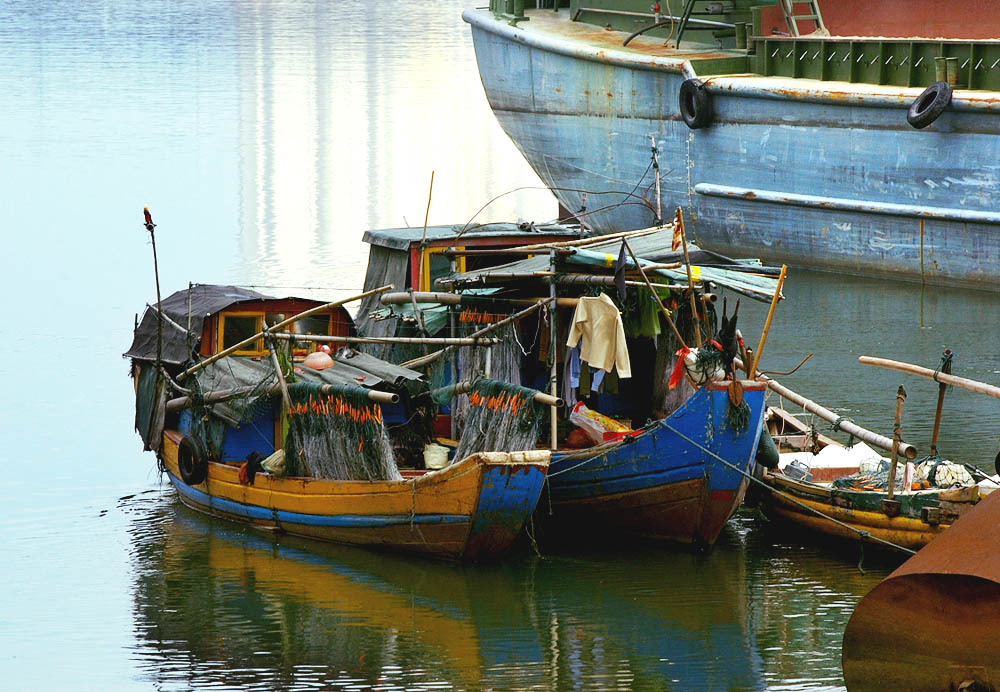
x: 314, y: 324
x: 437, y: 265
x: 237, y: 328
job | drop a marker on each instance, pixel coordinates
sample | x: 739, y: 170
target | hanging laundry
x: 597, y: 327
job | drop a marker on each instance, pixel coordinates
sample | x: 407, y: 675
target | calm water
x: 266, y: 137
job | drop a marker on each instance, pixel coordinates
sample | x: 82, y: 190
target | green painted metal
x: 895, y: 62
x: 866, y: 60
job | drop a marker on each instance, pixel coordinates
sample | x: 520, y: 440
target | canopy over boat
x: 655, y: 252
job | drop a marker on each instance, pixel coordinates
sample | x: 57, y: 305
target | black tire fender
x: 931, y: 103
x: 192, y: 460
x: 695, y: 104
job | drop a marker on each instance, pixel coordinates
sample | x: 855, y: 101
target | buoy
x: 318, y: 361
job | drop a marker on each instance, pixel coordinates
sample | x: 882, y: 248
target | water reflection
x: 219, y: 605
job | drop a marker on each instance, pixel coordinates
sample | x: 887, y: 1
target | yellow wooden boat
x: 473, y: 509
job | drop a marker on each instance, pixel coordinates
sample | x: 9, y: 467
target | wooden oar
x: 971, y: 385
x: 294, y: 318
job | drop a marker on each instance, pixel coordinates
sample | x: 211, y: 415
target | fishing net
x: 929, y: 472
x: 337, y: 434
x: 501, y: 362
x: 502, y: 417
x: 250, y: 379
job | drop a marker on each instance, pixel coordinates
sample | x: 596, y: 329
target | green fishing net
x: 336, y: 432
x: 502, y: 417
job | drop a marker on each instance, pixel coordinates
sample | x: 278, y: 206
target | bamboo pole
x: 402, y: 298
x: 465, y: 386
x: 150, y: 226
x: 542, y: 248
x: 284, y: 323
x: 423, y: 239
x: 226, y: 394
x: 663, y: 308
x: 554, y: 355
x: 687, y: 262
x: 431, y: 357
x: 942, y: 388
x: 971, y: 385
x: 839, y: 422
x: 562, y: 279
x: 167, y: 319
x: 896, y: 433
x: 430, y: 340
x: 286, y: 400
x: 770, y: 315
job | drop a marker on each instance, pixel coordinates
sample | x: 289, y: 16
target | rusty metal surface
x: 933, y: 623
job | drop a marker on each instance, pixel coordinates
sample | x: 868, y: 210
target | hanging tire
x: 695, y: 104
x: 192, y: 460
x: 929, y: 105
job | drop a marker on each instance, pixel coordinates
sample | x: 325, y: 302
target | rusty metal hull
x: 822, y: 174
x: 933, y: 623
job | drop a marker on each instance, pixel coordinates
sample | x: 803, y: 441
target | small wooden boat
x: 471, y: 510
x: 931, y: 625
x: 677, y: 478
x: 810, y: 489
x: 216, y: 453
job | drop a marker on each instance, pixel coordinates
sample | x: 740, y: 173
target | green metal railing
x: 896, y: 62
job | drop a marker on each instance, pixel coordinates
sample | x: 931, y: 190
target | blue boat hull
x: 679, y: 480
x: 832, y: 180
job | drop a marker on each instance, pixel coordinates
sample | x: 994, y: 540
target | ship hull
x: 818, y: 174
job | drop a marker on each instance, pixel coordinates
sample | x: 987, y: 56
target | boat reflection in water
x: 220, y: 605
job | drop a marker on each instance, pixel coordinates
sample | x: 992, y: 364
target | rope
x: 946, y: 359
x: 863, y: 535
x: 841, y: 419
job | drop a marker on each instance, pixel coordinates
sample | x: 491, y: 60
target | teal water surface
x: 266, y: 137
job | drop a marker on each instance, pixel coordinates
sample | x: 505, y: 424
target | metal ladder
x: 792, y: 19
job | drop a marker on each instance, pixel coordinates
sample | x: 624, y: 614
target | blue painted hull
x: 824, y: 175
x: 679, y: 481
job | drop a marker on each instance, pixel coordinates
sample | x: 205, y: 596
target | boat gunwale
x: 742, y: 85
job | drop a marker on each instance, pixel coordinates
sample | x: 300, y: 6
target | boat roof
x: 657, y: 247
x: 403, y: 238
x: 200, y: 301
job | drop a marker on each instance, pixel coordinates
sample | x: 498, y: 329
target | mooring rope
x: 862, y: 534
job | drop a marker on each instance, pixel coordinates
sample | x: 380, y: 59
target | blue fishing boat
x: 681, y: 471
x: 679, y: 479
x: 833, y: 134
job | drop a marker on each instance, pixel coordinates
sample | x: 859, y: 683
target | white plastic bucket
x: 435, y: 456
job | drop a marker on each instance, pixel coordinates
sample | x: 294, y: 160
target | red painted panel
x: 964, y: 19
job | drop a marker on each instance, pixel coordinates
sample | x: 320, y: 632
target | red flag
x: 678, y: 238
x: 678, y: 374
